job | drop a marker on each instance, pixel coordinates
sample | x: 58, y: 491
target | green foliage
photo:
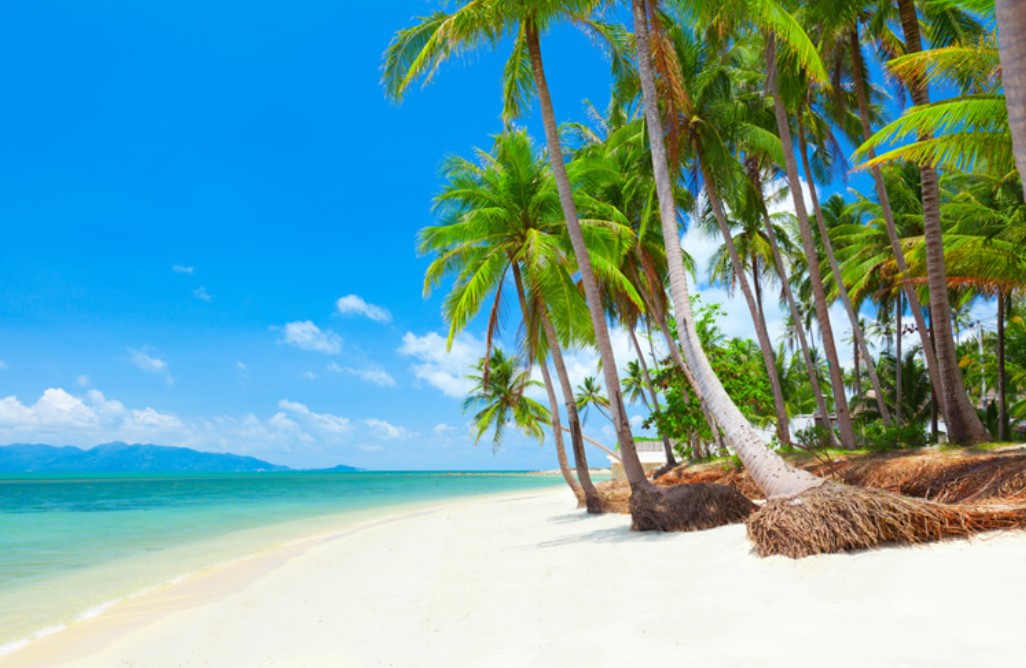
x: 813, y: 438
x: 879, y: 438
x: 738, y: 364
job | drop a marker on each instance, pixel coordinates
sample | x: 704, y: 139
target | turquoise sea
x: 70, y: 545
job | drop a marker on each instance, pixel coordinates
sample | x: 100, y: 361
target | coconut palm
x: 1012, y: 31
x: 501, y: 220
x: 417, y: 52
x: 705, y: 120
x: 589, y: 395
x: 962, y: 422
x: 770, y: 472
x: 499, y: 400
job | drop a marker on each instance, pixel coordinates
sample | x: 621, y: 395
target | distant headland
x: 129, y: 458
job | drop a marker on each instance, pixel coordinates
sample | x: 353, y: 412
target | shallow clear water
x: 70, y: 544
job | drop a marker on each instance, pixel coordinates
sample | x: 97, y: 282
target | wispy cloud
x: 3, y: 365
x: 307, y: 336
x: 202, y: 294
x: 355, y: 305
x: 182, y: 269
x: 444, y: 370
x: 376, y: 376
x: 82, y: 381
x: 150, y: 364
x: 386, y: 430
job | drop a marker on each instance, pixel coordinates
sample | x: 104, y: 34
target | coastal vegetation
x: 747, y: 118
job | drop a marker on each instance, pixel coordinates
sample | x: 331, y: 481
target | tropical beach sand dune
x: 527, y: 581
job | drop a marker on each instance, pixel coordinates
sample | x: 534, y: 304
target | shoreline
x: 230, y: 551
x: 526, y: 579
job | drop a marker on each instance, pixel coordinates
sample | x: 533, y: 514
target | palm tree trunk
x: 773, y: 475
x: 592, y: 500
x: 1002, y: 430
x: 765, y: 345
x: 963, y: 424
x: 803, y: 342
x: 660, y: 316
x: 842, y: 289
x: 858, y: 65
x: 667, y: 446
x: 1012, y: 45
x: 557, y: 431
x: 632, y: 466
x: 847, y: 431
x: 898, y: 360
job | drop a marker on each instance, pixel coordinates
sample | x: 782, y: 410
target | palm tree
x: 501, y: 217
x: 703, y: 122
x: 842, y: 24
x: 499, y: 399
x: 963, y: 424
x: 589, y: 395
x: 416, y: 53
x: 1012, y: 30
x: 770, y: 472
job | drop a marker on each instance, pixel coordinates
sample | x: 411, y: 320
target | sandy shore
x: 528, y: 581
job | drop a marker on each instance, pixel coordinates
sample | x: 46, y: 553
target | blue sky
x: 188, y: 189
x: 209, y: 213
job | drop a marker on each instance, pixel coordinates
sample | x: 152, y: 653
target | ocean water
x: 71, y: 545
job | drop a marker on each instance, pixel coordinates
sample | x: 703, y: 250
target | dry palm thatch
x: 615, y: 496
x: 947, y: 477
x: 688, y: 507
x: 841, y: 518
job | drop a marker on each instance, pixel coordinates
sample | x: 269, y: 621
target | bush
x: 813, y: 437
x: 879, y: 438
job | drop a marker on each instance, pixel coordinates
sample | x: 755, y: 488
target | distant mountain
x: 124, y: 458
x: 341, y: 468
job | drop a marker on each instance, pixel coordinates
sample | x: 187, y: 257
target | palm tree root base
x: 687, y: 507
x: 841, y: 518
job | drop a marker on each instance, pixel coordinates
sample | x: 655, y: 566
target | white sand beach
x: 527, y: 580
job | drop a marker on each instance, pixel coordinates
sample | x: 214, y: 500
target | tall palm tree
x: 843, y: 24
x: 767, y: 468
x: 704, y: 120
x: 417, y: 52
x: 811, y: 124
x: 1012, y: 30
x: 963, y: 424
x: 501, y: 219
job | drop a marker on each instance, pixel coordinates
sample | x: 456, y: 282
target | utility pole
x: 983, y: 371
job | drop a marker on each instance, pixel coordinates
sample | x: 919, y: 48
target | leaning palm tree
x: 771, y: 473
x: 415, y: 53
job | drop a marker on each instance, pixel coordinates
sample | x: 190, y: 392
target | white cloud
x: 91, y: 417
x: 323, y: 421
x: 385, y: 429
x: 182, y: 269
x: 307, y: 336
x: 309, y: 375
x: 202, y: 294
x: 444, y: 370
x: 150, y: 364
x: 82, y: 380
x: 371, y: 375
x: 354, y: 304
